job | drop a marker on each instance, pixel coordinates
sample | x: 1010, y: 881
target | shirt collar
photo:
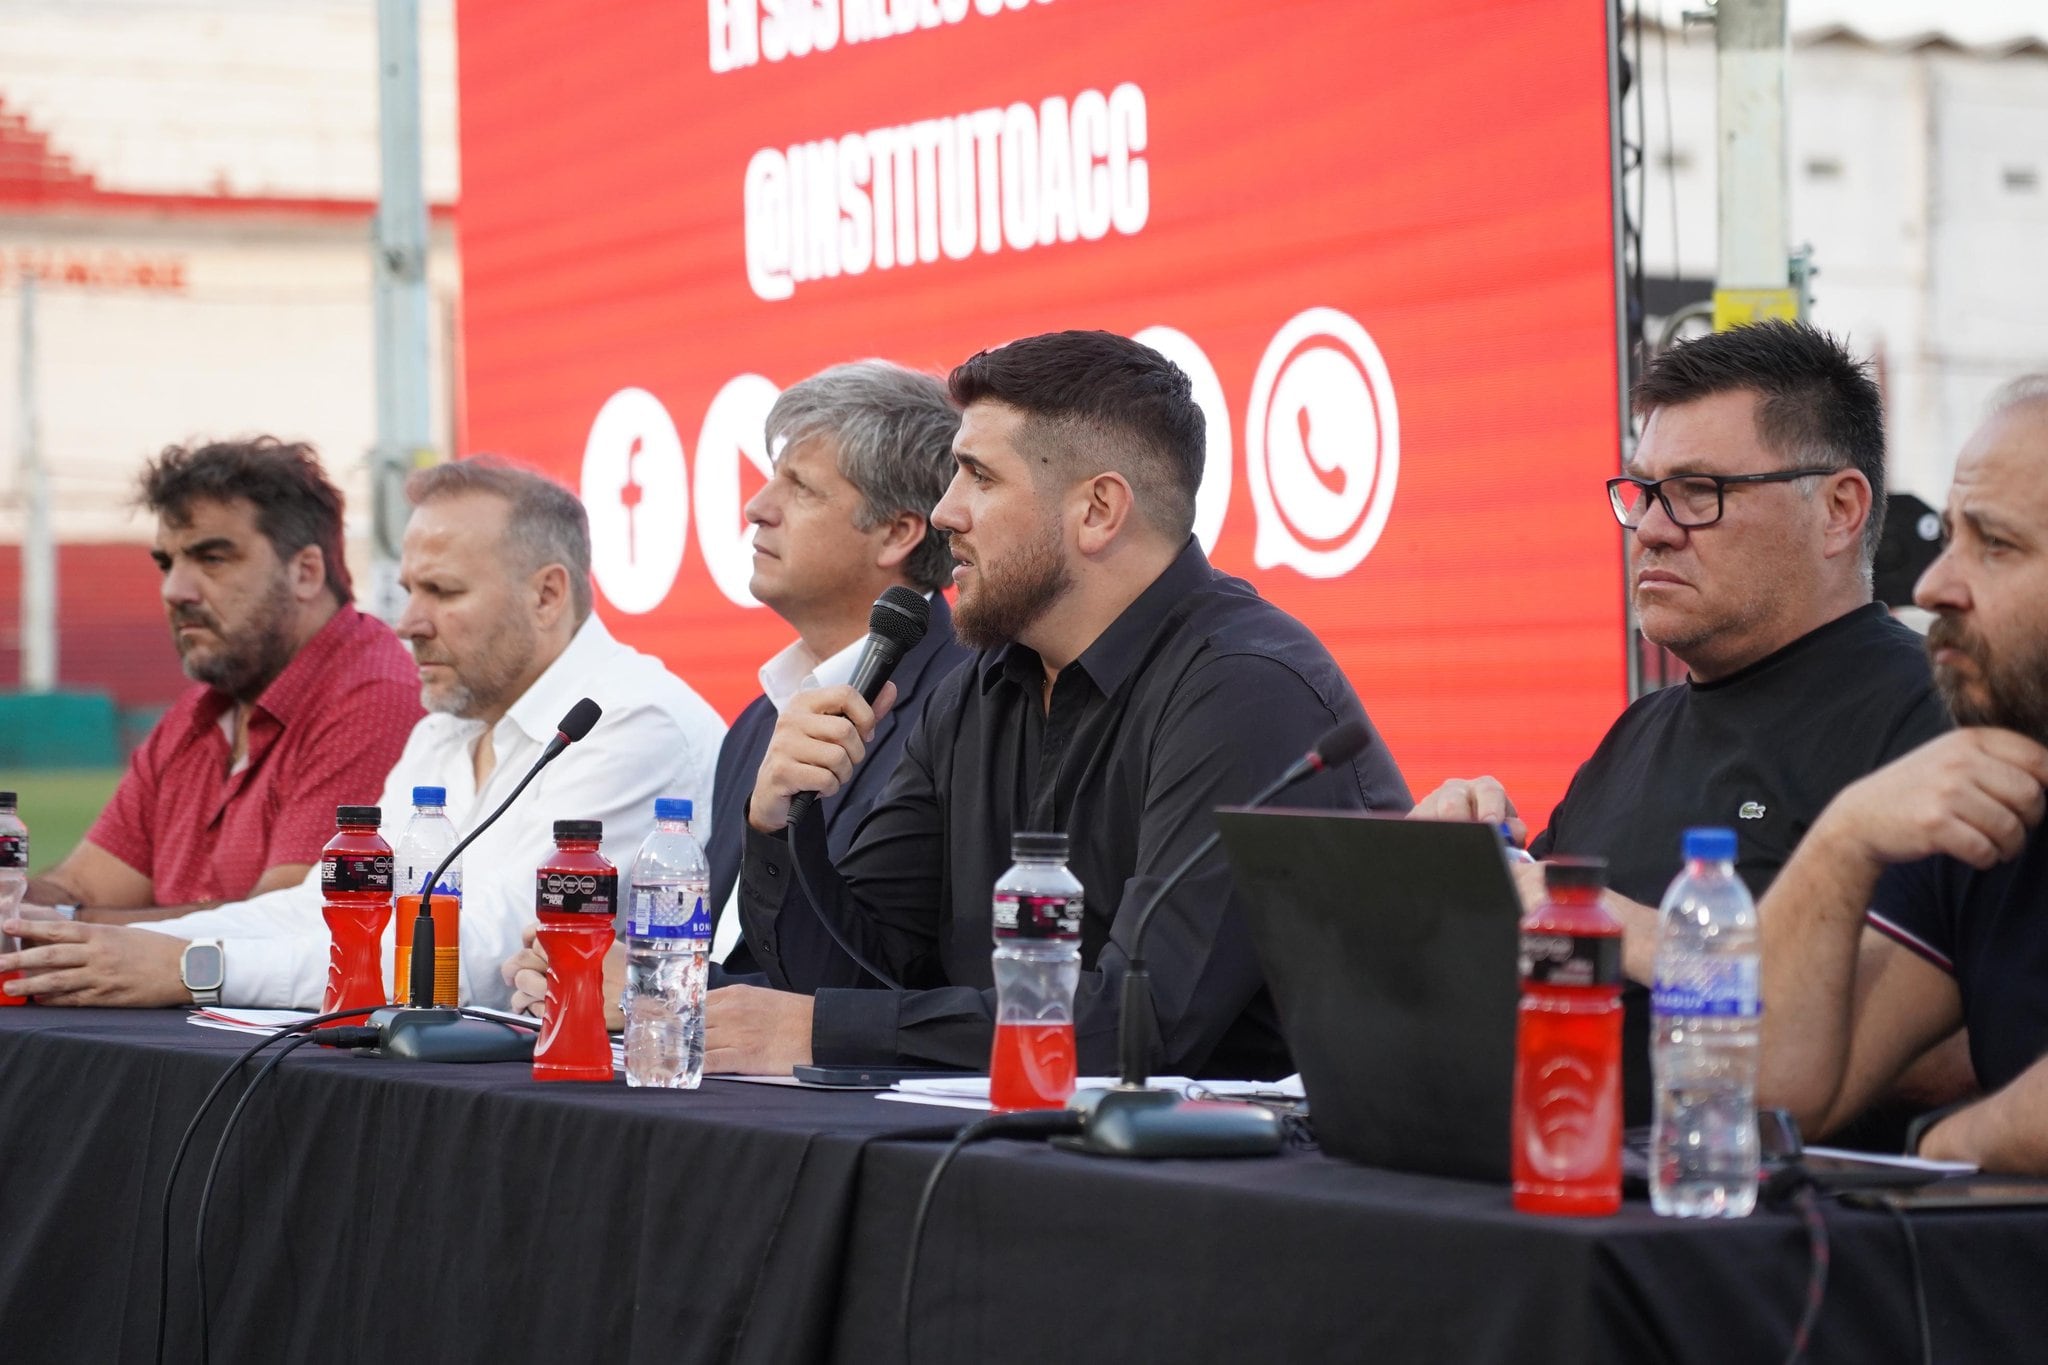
x: 795, y: 669
x: 1116, y: 653
x: 303, y: 682
x: 577, y: 668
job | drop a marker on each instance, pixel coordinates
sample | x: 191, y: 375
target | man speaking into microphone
x: 1123, y: 689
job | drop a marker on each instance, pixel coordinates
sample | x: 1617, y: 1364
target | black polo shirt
x: 1195, y: 697
x: 1761, y: 751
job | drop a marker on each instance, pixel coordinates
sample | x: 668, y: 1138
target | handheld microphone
x: 419, y: 1031
x: 1118, y: 1124
x: 895, y: 625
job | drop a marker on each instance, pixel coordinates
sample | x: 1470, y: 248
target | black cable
x: 1807, y: 1201
x: 1036, y: 1123
x: 213, y: 1169
x: 803, y: 882
x: 163, y: 1287
x: 1892, y: 1207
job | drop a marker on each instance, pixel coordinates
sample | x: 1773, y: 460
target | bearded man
x: 1918, y: 901
x: 303, y: 702
x: 1107, y: 701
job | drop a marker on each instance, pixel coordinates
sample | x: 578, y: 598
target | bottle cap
x: 430, y: 796
x: 672, y: 808
x: 1038, y: 845
x: 1714, y: 844
x: 7, y: 800
x: 357, y: 815
x: 1580, y: 873
x: 578, y: 829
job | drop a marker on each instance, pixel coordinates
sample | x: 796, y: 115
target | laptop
x: 1389, y: 946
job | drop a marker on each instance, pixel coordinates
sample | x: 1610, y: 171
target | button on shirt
x: 1196, y: 696
x: 657, y: 737
x: 322, y: 734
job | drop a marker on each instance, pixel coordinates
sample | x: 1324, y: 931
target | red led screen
x: 1378, y: 235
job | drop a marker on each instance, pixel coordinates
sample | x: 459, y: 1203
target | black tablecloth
x: 390, y: 1211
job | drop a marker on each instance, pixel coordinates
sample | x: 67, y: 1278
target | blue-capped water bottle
x: 668, y: 944
x: 1704, y: 1037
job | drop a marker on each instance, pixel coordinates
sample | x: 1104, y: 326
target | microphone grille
x: 1343, y: 744
x: 581, y: 717
x: 900, y: 616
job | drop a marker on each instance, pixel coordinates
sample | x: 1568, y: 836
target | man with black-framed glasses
x: 1752, y: 508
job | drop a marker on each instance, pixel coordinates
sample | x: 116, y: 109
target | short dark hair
x: 547, y: 524
x: 1816, y: 404
x: 1097, y: 395
x: 895, y: 432
x: 296, y: 504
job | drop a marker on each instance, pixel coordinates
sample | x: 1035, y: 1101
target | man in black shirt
x: 1943, y: 848
x: 1124, y: 688
x: 1755, y: 498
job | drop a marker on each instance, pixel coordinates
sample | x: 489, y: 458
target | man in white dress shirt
x: 496, y: 568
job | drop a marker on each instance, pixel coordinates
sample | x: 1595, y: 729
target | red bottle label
x: 576, y: 893
x: 355, y: 872
x: 13, y: 850
x: 1554, y: 959
x: 1037, y: 916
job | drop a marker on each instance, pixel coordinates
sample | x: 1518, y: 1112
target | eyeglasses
x: 1690, y: 500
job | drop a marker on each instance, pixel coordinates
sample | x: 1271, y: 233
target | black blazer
x: 739, y: 759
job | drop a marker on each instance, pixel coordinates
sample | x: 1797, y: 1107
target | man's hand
x: 1972, y: 794
x: 818, y: 738
x: 62, y: 963
x: 526, y: 972
x: 751, y: 1031
x: 1481, y: 800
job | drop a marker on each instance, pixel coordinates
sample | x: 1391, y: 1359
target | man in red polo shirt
x: 304, y: 701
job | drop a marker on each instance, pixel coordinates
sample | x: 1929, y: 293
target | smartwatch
x: 203, y: 968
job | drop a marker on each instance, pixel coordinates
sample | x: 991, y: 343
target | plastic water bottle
x: 1037, y: 964
x: 668, y: 944
x: 13, y: 879
x: 1703, y: 1138
x: 428, y: 837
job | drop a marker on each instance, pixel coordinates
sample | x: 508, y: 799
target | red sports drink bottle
x: 575, y: 894
x: 1567, y: 1107
x: 355, y: 878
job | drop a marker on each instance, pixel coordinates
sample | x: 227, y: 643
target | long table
x: 381, y: 1210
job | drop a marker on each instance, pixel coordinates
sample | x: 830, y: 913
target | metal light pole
x: 38, y: 549
x: 400, y: 271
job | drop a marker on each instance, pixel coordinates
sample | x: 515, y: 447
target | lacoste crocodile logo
x: 1751, y: 810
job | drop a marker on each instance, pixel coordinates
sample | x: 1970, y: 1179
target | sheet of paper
x: 976, y: 1087
x: 1909, y: 1163
x: 246, y: 1021
x: 943, y: 1101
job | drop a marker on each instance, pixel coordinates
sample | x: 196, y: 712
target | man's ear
x: 551, y: 598
x: 1848, y: 506
x: 1106, y: 505
x: 901, y: 536
x: 306, y: 571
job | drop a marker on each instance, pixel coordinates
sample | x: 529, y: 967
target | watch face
x: 204, y: 967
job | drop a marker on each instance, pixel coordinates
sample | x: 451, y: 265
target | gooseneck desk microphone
x: 1134, y: 1120
x: 423, y: 1032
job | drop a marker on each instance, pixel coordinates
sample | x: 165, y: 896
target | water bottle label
x: 1571, y: 959
x: 13, y: 850
x: 355, y: 872
x: 1019, y: 916
x: 576, y: 893
x: 667, y: 912
x: 1724, y: 988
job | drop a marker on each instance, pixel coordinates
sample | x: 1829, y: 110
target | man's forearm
x: 1811, y: 923
x: 2006, y: 1133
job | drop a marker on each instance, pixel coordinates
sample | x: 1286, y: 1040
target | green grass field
x: 59, y: 807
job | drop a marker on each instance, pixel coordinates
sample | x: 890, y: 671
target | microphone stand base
x: 1154, y: 1125
x: 446, y: 1035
